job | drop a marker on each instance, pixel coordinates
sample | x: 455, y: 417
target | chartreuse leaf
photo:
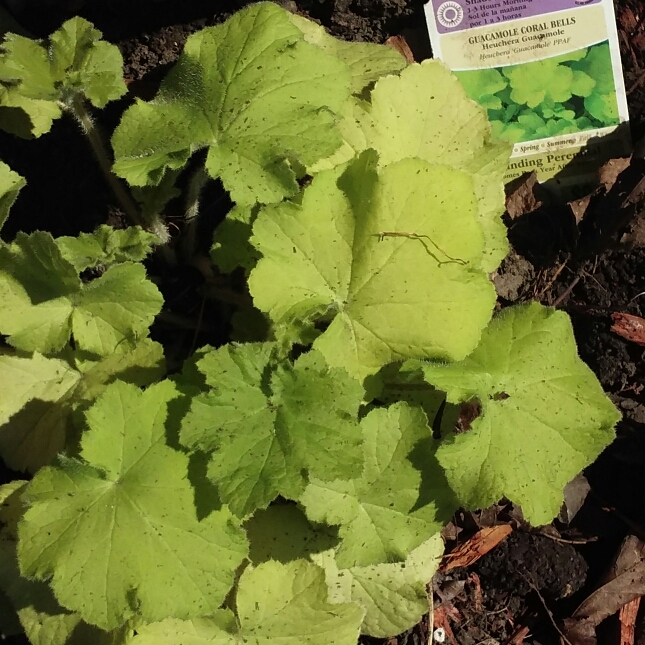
x: 277, y: 604
x: 231, y: 247
x: 394, y: 383
x: 10, y: 184
x: 542, y: 80
x: 12, y: 586
x: 597, y: 65
x: 107, y: 246
x: 389, y: 298
x: 253, y: 92
x: 44, y: 300
x: 482, y: 85
x: 33, y: 425
x: 282, y: 532
x: 601, y: 103
x: 117, y: 532
x: 36, y: 416
x: 267, y: 430
x: 544, y: 415
x: 393, y: 594
x: 85, y: 64
x: 442, y: 126
x: 397, y: 503
x: 367, y: 62
x: 38, y: 79
x: 43, y: 620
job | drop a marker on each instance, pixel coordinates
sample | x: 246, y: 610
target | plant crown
x: 287, y: 489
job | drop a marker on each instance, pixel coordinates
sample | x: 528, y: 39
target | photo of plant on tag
x: 548, y: 75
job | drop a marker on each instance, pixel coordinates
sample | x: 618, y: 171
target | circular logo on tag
x: 450, y: 14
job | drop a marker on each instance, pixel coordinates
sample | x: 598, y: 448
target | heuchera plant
x: 287, y: 489
x: 559, y: 95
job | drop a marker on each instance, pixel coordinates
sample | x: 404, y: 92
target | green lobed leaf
x: 405, y: 382
x: 43, y: 620
x: 393, y: 595
x: 277, y: 604
x: 10, y: 184
x: 107, y: 246
x: 283, y: 533
x: 440, y: 125
x: 231, y: 247
x: 541, y: 80
x: 597, y: 65
x: 37, y: 79
x: 603, y: 107
x: 397, y: 504
x: 544, y: 415
x: 45, y: 301
x: 367, y: 62
x: 267, y: 429
x: 33, y: 424
x: 253, y: 92
x: 37, y: 419
x: 389, y: 298
x: 582, y: 84
x: 117, y: 531
x: 482, y: 85
x: 26, y: 117
x: 84, y: 64
x: 15, y: 591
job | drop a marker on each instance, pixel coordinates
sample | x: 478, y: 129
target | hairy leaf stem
x: 191, y: 213
x: 76, y: 106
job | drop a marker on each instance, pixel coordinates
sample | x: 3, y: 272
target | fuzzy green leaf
x: 393, y: 297
x: 10, y: 184
x: 597, y: 65
x: 544, y: 415
x: 541, y: 80
x: 394, y: 595
x: 44, y: 300
x: 43, y: 620
x: 36, y: 419
x: 15, y: 591
x: 84, y: 64
x: 384, y: 515
x: 283, y: 533
x: 367, y: 62
x: 481, y: 85
x: 33, y: 426
x: 266, y: 431
x: 603, y: 107
x: 442, y: 126
x: 117, y: 531
x: 277, y: 604
x: 253, y: 92
x: 231, y: 247
x: 38, y: 78
x: 107, y: 246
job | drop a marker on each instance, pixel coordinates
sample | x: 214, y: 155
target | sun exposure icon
x: 450, y: 14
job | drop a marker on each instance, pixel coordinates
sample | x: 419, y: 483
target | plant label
x: 548, y: 73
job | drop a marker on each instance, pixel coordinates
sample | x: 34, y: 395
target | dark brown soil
x: 66, y: 194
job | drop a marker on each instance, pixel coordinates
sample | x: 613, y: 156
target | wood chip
x: 629, y: 327
x: 400, y: 44
x: 475, y: 547
x: 627, y: 616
